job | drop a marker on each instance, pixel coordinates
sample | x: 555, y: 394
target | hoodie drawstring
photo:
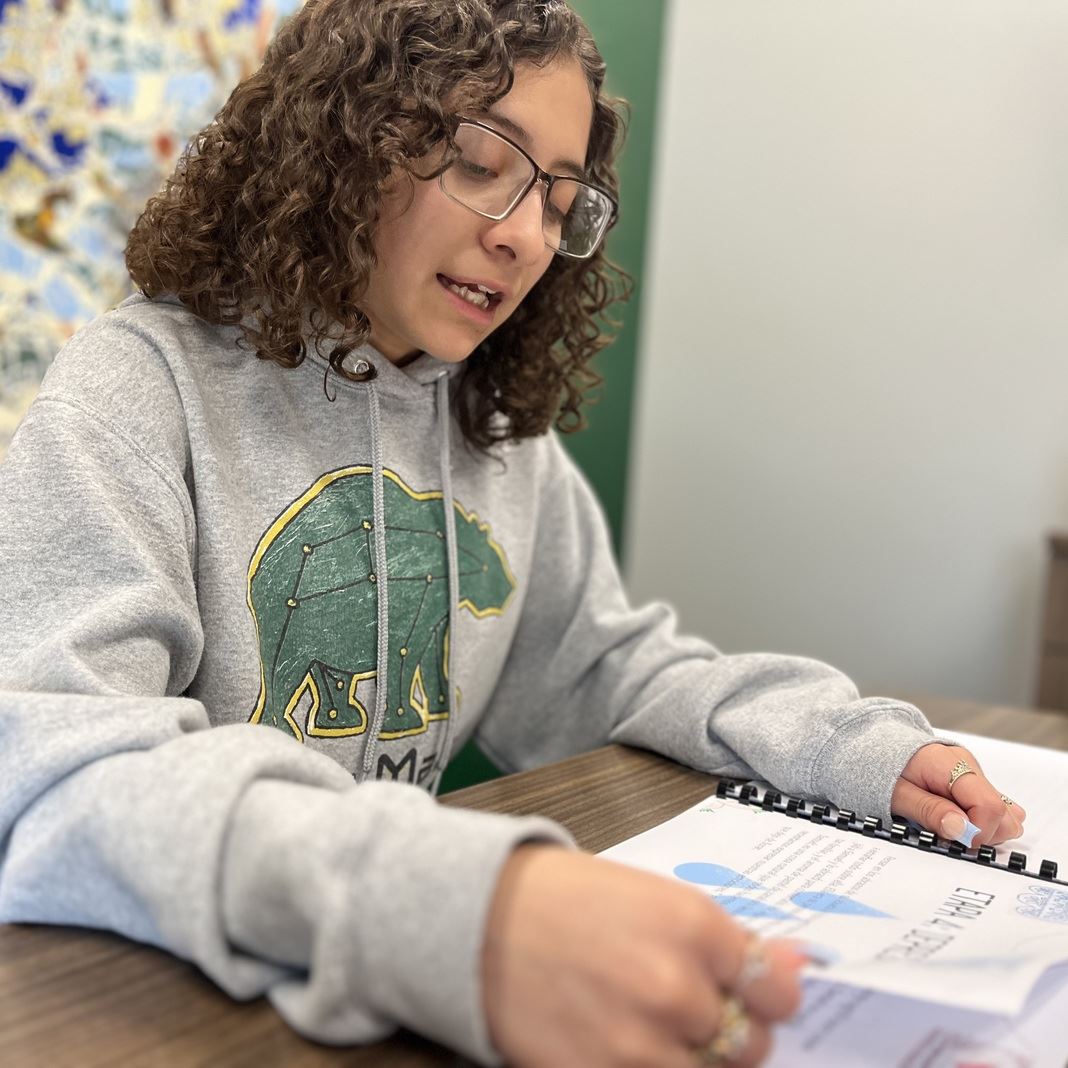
x: 452, y: 659
x: 382, y: 580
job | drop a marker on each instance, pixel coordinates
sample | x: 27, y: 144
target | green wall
x: 629, y: 34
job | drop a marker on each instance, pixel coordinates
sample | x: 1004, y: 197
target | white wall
x: 852, y: 413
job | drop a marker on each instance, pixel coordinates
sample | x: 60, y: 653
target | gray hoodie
x: 193, y: 538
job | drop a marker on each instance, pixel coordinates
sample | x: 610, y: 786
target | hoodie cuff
x: 860, y: 764
x: 378, y: 899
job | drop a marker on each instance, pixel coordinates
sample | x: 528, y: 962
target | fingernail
x: 807, y: 952
x: 957, y: 828
x: 953, y: 826
x: 821, y: 956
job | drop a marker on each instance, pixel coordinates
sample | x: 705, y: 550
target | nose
x: 520, y: 235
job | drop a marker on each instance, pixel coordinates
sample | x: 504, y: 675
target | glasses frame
x: 538, y: 176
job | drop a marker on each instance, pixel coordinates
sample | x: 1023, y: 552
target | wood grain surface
x: 71, y: 997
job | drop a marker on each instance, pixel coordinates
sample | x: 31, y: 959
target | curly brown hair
x: 268, y: 221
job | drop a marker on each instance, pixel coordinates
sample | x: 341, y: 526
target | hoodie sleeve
x: 234, y: 847
x: 586, y: 666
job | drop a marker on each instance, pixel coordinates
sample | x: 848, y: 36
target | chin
x: 454, y: 352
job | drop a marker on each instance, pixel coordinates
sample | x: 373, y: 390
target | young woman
x: 303, y: 491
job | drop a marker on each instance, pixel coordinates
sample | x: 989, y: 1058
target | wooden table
x: 70, y: 997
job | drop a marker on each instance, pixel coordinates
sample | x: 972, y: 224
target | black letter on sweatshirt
x: 386, y: 767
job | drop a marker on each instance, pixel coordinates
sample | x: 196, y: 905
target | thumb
x: 935, y: 813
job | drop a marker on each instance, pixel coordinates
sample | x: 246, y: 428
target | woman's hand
x: 923, y: 794
x: 589, y: 962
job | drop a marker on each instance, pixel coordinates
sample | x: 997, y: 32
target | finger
x: 724, y: 949
x: 977, y: 791
x: 756, y: 1048
x: 1009, y: 827
x: 976, y: 795
x: 686, y: 1001
x: 765, y: 976
x: 950, y: 821
x: 972, y: 792
x: 737, y: 1048
x: 1016, y: 811
x: 683, y: 986
x: 634, y: 1042
x: 935, y: 813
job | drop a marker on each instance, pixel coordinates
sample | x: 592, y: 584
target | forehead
x: 553, y: 107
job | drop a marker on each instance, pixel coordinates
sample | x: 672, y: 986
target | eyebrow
x: 517, y: 131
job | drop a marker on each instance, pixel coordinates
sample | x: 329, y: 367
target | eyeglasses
x: 493, y: 174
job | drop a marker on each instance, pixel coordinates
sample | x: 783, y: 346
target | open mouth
x: 476, y: 294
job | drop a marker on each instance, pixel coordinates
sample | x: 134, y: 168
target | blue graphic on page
x: 750, y: 907
x: 1044, y: 903
x: 839, y: 904
x: 715, y: 875
x: 705, y: 874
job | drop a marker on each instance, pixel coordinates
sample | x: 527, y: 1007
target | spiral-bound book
x: 891, y: 911
x: 898, y: 832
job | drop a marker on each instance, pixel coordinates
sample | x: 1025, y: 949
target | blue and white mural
x: 97, y: 98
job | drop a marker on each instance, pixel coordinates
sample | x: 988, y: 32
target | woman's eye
x: 475, y: 170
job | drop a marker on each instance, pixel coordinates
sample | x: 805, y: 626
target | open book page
x: 890, y: 918
x: 768, y: 859
x: 850, y: 1027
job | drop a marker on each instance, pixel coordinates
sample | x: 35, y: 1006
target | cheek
x: 398, y: 256
x: 390, y: 239
x: 401, y: 219
x: 423, y: 238
x: 537, y: 274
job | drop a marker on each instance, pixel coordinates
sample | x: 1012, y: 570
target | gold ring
x: 1008, y: 801
x: 755, y: 964
x: 732, y: 1037
x: 962, y: 767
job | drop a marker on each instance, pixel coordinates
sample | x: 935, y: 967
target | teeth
x: 472, y: 296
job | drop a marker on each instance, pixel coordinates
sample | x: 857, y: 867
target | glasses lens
x: 489, y: 176
x: 576, y: 217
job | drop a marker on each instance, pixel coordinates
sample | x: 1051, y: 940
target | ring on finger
x: 755, y: 964
x: 1008, y: 801
x: 732, y: 1036
x: 962, y: 767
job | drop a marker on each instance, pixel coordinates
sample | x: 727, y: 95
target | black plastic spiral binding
x: 871, y: 827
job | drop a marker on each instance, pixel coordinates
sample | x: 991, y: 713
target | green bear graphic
x: 312, y: 591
